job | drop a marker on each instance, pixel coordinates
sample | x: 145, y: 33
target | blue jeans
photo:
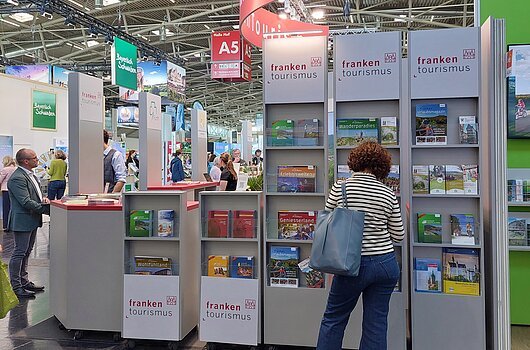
x: 18, y: 265
x: 56, y: 189
x: 378, y: 275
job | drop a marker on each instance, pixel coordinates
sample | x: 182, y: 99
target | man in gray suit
x: 25, y: 217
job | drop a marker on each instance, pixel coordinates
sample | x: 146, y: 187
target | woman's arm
x: 395, y: 223
x: 222, y: 185
x: 51, y: 169
x: 334, y: 196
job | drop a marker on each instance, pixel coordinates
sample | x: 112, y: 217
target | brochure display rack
x: 368, y: 106
x: 446, y: 206
x: 160, y: 282
x: 295, y: 186
x: 230, y: 260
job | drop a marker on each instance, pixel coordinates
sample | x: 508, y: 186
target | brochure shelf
x: 155, y: 268
x: 231, y: 267
x: 447, y: 280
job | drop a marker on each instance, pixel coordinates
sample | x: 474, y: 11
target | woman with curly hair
x: 379, y: 271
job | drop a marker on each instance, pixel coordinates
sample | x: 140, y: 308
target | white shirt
x: 215, y: 173
x: 34, y: 180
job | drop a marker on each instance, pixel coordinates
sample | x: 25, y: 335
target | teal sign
x: 124, y: 62
x: 44, y: 110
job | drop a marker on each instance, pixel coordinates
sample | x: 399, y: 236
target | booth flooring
x: 30, y: 325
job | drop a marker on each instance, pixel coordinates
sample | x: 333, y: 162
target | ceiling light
x: 283, y: 15
x: 235, y: 26
x: 91, y: 43
x: 281, y: 1
x: 22, y: 17
x: 8, y: 22
x: 318, y: 14
x: 12, y: 2
x: 98, y: 4
x: 207, y: 27
x: 110, y: 2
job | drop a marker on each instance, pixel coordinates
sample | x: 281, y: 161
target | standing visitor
x: 132, y: 157
x: 215, y: 171
x: 57, y: 171
x: 236, y: 157
x: 228, y: 174
x: 5, y: 174
x: 114, y: 172
x: 257, y: 159
x: 379, y: 271
x: 25, y: 217
x: 177, y: 170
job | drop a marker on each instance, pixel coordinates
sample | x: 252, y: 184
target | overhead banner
x: 36, y: 72
x: 444, y: 63
x: 231, y: 56
x: 44, y: 110
x: 367, y: 66
x: 124, y: 57
x: 151, y: 307
x: 295, y: 69
x: 254, y: 22
x: 229, y: 310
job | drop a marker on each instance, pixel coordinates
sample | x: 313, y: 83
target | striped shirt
x: 382, y: 219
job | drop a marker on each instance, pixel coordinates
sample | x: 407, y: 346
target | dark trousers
x: 56, y: 189
x: 377, y: 278
x: 18, y: 265
x: 6, y: 206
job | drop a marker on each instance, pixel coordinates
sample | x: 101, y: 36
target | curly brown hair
x: 372, y: 157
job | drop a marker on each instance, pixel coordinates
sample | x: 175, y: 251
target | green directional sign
x: 44, y: 110
x: 124, y: 61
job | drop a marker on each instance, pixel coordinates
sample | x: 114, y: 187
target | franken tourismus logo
x: 316, y: 61
x: 295, y: 71
x: 151, y: 308
x: 469, y: 54
x: 228, y: 311
x: 390, y: 57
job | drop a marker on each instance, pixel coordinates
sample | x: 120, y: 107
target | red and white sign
x: 226, y: 70
x: 229, y: 51
x: 254, y: 22
x: 226, y: 46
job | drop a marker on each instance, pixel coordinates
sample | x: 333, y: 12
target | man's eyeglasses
x: 32, y: 158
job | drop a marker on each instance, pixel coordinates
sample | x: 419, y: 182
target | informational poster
x: 60, y: 76
x: 44, y: 110
x: 6, y: 147
x: 36, y: 72
x: 295, y: 70
x: 176, y: 83
x: 444, y: 63
x: 367, y: 67
x: 229, y: 310
x: 151, y: 307
x: 202, y: 124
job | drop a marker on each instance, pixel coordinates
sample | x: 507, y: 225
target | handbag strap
x: 344, y: 198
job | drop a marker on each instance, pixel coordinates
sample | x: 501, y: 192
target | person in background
x: 379, y: 270
x: 114, y: 171
x: 211, y: 158
x: 57, y: 171
x: 236, y: 157
x: 257, y: 159
x: 228, y: 174
x: 5, y: 174
x: 215, y: 171
x: 25, y: 217
x: 132, y: 157
x: 177, y: 170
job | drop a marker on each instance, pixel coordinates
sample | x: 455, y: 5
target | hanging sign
x: 44, y: 110
x: 444, y: 63
x: 295, y: 69
x: 367, y: 66
x: 123, y: 64
x: 230, y: 53
x: 254, y: 22
x: 229, y: 310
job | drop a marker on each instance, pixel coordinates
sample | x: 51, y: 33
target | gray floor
x: 15, y: 328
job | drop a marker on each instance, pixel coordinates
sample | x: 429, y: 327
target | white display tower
x: 86, y: 105
x: 199, y: 139
x: 150, y: 132
x: 295, y: 88
x: 445, y: 69
x: 368, y: 84
x: 246, y: 140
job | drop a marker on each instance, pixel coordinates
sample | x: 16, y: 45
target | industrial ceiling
x: 42, y: 35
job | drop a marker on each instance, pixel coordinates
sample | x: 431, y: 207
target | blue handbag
x: 338, y: 240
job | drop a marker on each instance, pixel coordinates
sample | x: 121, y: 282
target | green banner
x: 44, y: 110
x: 124, y: 61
